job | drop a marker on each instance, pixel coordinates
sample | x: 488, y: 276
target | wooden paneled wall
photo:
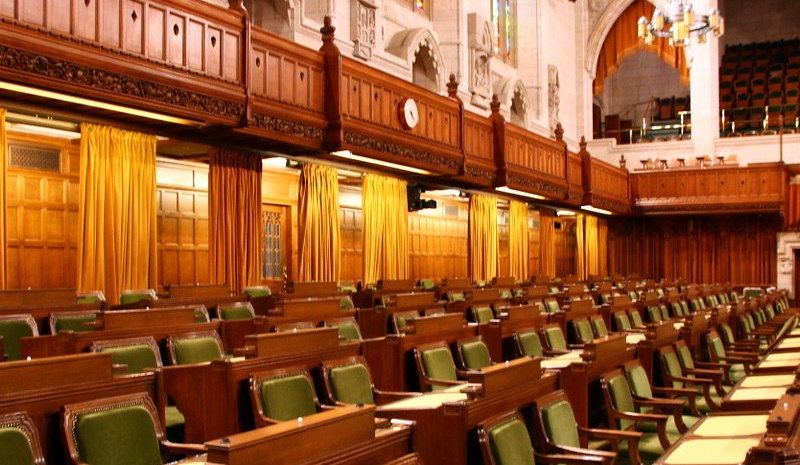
x: 438, y: 242
x: 42, y: 217
x: 707, y: 249
x: 565, y: 243
x: 503, y: 261
x: 533, y: 242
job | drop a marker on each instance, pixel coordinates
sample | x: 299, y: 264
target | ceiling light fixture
x: 351, y: 156
x: 676, y: 21
x: 592, y: 209
x: 565, y: 213
x: 508, y: 190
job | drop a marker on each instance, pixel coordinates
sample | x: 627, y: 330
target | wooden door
x: 276, y: 246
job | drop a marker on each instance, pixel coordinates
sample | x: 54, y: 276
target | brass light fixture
x: 676, y: 21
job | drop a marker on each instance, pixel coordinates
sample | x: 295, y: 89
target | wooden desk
x: 345, y: 435
x: 198, y: 291
x: 215, y: 397
x: 695, y: 328
x: 445, y: 420
x: 656, y: 336
x: 132, y: 319
x: 515, y: 318
x: 599, y: 356
x: 313, y: 309
x: 41, y: 313
x: 17, y: 299
x: 750, y: 393
x: 42, y: 387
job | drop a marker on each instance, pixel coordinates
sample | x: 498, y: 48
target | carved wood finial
x: 237, y: 5
x: 495, y: 104
x: 452, y: 86
x: 559, y: 132
x: 622, y: 161
x: 583, y: 143
x: 328, y: 30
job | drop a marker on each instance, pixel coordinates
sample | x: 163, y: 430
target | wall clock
x: 408, y: 113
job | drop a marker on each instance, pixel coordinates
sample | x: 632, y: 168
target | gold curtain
x: 622, y: 41
x: 117, y: 246
x: 235, y: 215
x: 580, y: 243
x: 602, y: 247
x: 319, y: 223
x: 3, y: 163
x: 483, y: 242
x: 518, y: 240
x: 592, y: 260
x: 385, y: 209
x: 547, y: 243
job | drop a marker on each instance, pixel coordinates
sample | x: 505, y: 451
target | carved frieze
x: 535, y: 185
x: 476, y: 172
x: 402, y: 151
x: 283, y: 126
x: 363, y: 27
x: 56, y: 68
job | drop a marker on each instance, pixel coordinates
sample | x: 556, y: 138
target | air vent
x: 451, y: 211
x: 34, y: 158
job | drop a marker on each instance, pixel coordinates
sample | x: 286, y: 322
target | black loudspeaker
x: 415, y: 203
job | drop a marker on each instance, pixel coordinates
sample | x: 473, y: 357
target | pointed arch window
x: 504, y: 23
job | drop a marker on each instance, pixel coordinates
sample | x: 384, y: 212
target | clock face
x: 409, y: 113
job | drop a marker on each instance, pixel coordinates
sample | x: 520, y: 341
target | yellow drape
x: 386, y: 248
x: 483, y: 243
x: 580, y: 242
x: 235, y: 215
x: 547, y: 243
x: 622, y: 41
x: 320, y: 245
x: 592, y: 260
x: 602, y: 246
x: 518, y: 240
x: 117, y: 246
x: 3, y: 206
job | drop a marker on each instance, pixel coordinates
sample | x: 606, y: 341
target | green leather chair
x: 196, y: 347
x: 236, y: 311
x: 132, y: 296
x: 528, y: 343
x: 283, y: 394
x: 557, y: 432
x: 72, y: 321
x: 736, y: 364
x: 346, y: 304
x: 624, y: 412
x: 671, y: 401
x: 730, y: 342
x: 677, y: 309
x: 201, y: 314
x: 427, y: 284
x: 121, y: 430
x: 673, y: 375
x: 19, y: 440
x: 12, y: 329
x: 506, y: 294
x: 482, y: 314
x: 347, y: 327
x: 622, y: 321
x: 654, y: 314
x: 253, y: 292
x: 91, y: 297
x: 456, y: 297
x: 552, y: 306
x: 599, y: 326
x: 692, y: 367
x: 348, y: 287
x: 554, y: 340
x: 348, y: 382
x: 582, y: 330
x: 435, y: 367
x: 399, y: 320
x: 636, y: 318
x: 473, y: 354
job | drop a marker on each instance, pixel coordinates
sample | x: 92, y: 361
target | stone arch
x: 420, y: 48
x: 277, y: 16
x: 600, y: 30
x: 514, y: 96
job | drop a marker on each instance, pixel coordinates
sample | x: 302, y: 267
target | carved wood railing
x: 605, y: 186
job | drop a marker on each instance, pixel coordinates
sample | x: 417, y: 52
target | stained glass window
x: 271, y: 253
x: 419, y: 4
x: 503, y: 23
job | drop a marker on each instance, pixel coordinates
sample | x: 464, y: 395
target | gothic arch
x: 513, y: 91
x: 600, y: 30
x: 409, y: 43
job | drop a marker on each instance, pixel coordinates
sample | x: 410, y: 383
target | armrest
x: 599, y: 433
x: 687, y: 380
x: 189, y: 449
x: 745, y: 360
x: 657, y: 403
x: 382, y: 397
x: 553, y: 353
x: 707, y: 372
x: 677, y: 391
x: 639, y: 417
x: 573, y: 459
x: 575, y: 346
x: 443, y: 382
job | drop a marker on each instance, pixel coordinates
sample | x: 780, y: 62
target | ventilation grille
x: 451, y: 211
x: 34, y: 158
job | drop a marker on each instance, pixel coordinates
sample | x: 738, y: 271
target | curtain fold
x: 320, y: 245
x: 622, y: 41
x: 580, y: 245
x: 518, y: 240
x: 235, y: 216
x: 602, y: 247
x: 385, y: 210
x: 547, y: 243
x: 3, y: 206
x: 483, y: 241
x: 592, y: 248
x: 117, y: 246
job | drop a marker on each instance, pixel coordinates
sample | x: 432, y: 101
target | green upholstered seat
x: 351, y: 384
x: 346, y: 304
x: 677, y: 310
x: 511, y: 444
x: 438, y: 364
x: 583, y: 330
x: 672, y: 365
x: 124, y: 435
x: 401, y: 319
x: 235, y: 312
x: 654, y: 313
x: 506, y: 294
x: 257, y: 291
x: 638, y: 381
x: 622, y: 399
x: 132, y: 297
x: 475, y: 355
x: 664, y: 312
x: 552, y: 306
x: 530, y: 344
x: 15, y: 446
x: 632, y: 295
x: 555, y: 338
x: 201, y: 315
x: 427, y: 284
x: 197, y: 350
x: 137, y: 357
x: 540, y: 307
x: 605, y: 298
x: 93, y: 297
x: 737, y: 372
x: 11, y: 331
x: 349, y: 288
x: 287, y: 398
x: 482, y: 314
x: 685, y: 307
x: 348, y: 329
x: 599, y: 327
x: 75, y: 323
x: 456, y: 297
x: 685, y: 357
x: 560, y: 425
x: 622, y: 320
x: 553, y: 289
x: 173, y: 417
x: 636, y: 318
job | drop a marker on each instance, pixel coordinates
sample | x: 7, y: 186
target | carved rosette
x: 363, y: 26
